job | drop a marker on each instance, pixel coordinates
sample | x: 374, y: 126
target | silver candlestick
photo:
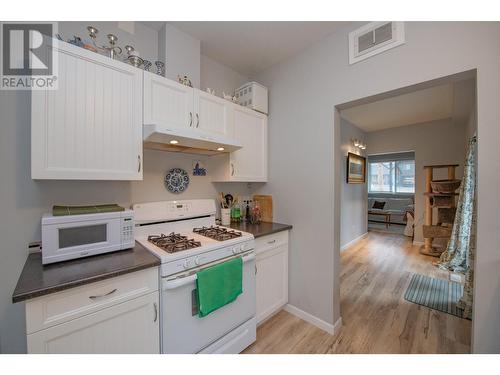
x: 112, y: 50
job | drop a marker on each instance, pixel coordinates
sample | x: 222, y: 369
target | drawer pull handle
x: 271, y: 242
x: 103, y: 295
x: 156, y: 312
x: 190, y: 119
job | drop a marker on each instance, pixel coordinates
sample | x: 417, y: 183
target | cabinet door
x: 167, y: 102
x: 129, y: 327
x: 250, y: 162
x: 90, y: 127
x: 212, y: 114
x: 272, y: 281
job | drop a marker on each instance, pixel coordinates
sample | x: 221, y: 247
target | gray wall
x: 436, y: 142
x: 219, y: 77
x: 153, y: 45
x: 471, y: 125
x: 181, y: 52
x: 304, y: 91
x: 23, y: 200
x: 353, y: 209
x: 144, y: 39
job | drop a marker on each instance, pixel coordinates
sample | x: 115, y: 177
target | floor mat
x: 434, y: 293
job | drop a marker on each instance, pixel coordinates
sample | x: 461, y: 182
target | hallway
x: 375, y: 273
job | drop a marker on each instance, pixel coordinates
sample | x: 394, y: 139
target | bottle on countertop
x: 256, y: 216
x: 235, y: 213
x: 248, y: 212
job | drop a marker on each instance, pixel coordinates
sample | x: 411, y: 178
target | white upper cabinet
x: 90, y: 128
x: 167, y: 103
x: 212, y: 114
x: 170, y: 104
x: 250, y: 162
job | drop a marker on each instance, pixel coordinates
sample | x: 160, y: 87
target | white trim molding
x: 350, y: 243
x: 332, y: 329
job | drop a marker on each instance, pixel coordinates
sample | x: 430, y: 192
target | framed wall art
x: 356, y: 169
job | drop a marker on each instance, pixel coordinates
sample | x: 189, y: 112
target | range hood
x: 186, y: 140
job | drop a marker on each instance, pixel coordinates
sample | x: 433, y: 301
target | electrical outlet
x: 35, y: 247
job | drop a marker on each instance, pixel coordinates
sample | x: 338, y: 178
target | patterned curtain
x: 461, y: 249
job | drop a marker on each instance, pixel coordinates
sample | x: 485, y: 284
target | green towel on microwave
x: 219, y: 285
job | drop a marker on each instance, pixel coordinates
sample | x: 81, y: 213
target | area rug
x: 434, y: 293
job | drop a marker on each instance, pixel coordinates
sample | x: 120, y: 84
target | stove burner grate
x: 173, y: 242
x: 217, y: 233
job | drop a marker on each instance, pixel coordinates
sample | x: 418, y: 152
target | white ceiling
x: 251, y: 47
x: 420, y: 106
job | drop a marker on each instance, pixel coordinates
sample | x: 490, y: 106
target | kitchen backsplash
x: 150, y: 189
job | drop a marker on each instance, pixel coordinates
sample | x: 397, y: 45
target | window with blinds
x: 392, y: 173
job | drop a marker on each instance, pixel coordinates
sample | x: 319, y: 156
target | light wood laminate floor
x: 375, y: 273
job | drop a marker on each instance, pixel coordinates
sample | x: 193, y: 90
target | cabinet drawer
x: 271, y: 241
x: 129, y: 327
x: 57, y: 308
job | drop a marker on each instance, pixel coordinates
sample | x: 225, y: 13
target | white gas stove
x: 184, y: 236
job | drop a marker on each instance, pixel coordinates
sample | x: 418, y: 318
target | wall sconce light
x: 357, y: 143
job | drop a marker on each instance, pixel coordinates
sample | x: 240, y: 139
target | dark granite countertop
x: 262, y: 229
x: 37, y: 280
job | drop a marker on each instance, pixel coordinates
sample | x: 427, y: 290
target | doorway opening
x: 389, y: 217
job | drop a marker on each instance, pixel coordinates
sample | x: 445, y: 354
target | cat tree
x: 439, y: 194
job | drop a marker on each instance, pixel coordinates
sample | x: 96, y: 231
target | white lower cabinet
x: 272, y: 274
x: 130, y: 326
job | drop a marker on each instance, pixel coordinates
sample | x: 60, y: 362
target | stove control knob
x: 243, y: 247
x: 197, y: 261
x: 235, y: 250
x: 187, y: 264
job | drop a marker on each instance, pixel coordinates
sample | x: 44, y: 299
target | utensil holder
x: 225, y: 216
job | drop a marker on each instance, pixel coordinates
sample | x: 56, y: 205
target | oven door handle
x: 176, y: 283
x: 189, y: 278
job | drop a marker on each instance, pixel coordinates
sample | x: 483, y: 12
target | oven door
x: 185, y: 332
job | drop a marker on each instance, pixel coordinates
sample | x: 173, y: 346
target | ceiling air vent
x: 374, y: 38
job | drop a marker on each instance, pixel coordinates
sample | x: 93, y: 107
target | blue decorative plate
x: 176, y: 180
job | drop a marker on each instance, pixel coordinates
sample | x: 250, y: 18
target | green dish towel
x: 81, y: 210
x: 219, y: 285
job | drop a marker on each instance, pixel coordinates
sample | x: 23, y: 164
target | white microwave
x: 77, y: 236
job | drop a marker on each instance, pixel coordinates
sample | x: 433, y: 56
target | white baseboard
x: 332, y: 329
x: 350, y: 243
